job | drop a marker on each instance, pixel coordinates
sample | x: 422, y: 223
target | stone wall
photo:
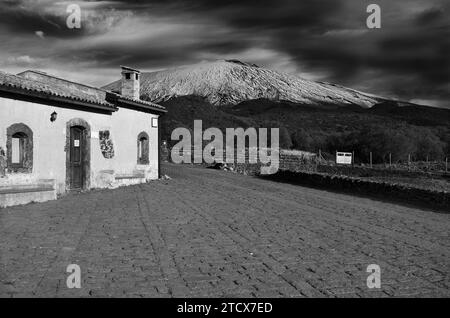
x: 427, y: 198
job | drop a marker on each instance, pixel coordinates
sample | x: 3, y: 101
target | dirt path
x: 214, y: 233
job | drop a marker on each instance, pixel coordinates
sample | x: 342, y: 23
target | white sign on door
x: 76, y: 143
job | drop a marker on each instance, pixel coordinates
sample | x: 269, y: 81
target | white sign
x: 344, y: 158
x: 76, y: 143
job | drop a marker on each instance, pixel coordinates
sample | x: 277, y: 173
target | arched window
x: 142, y: 149
x: 19, y: 148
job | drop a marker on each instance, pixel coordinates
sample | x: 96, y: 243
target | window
x: 128, y: 76
x: 19, y: 148
x: 137, y: 77
x: 143, y: 149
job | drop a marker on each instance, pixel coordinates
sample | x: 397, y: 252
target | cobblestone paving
x: 213, y: 233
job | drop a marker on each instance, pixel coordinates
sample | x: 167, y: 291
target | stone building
x: 57, y: 136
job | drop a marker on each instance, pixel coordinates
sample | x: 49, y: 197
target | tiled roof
x: 144, y: 102
x: 52, y: 86
x: 36, y: 82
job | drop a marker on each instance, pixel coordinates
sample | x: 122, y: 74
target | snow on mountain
x: 229, y: 82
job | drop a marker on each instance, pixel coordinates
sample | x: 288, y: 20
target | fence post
x: 446, y: 164
x: 371, y: 159
x: 353, y: 158
x: 390, y: 160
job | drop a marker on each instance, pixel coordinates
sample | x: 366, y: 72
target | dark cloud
x: 430, y: 16
x: 407, y: 58
x: 19, y: 19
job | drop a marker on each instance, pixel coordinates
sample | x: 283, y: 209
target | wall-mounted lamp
x: 53, y: 116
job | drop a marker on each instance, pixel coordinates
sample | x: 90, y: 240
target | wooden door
x: 76, y: 160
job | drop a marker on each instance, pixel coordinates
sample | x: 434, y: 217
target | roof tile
x: 39, y: 82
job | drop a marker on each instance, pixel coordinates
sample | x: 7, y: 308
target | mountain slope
x: 232, y: 82
x: 421, y: 131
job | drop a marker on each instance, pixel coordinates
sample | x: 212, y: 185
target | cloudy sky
x: 328, y: 40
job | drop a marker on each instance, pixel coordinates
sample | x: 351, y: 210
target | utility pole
x: 371, y: 159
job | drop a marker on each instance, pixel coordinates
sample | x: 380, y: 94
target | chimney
x: 130, y: 85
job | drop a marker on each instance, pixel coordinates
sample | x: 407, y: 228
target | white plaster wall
x: 49, y: 157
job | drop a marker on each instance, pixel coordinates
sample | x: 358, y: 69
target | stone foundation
x: 17, y: 194
x: 23, y: 188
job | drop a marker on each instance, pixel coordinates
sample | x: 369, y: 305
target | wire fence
x: 296, y: 160
x: 407, y: 164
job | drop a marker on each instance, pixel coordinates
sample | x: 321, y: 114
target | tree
x: 300, y: 140
x: 285, y: 139
x: 429, y: 146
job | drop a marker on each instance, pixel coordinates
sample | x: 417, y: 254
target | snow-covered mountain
x: 230, y: 82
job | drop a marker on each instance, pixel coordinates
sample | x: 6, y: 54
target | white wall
x: 49, y: 138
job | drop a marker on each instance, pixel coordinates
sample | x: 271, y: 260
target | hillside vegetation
x: 422, y: 132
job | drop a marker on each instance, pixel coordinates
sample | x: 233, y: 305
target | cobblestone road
x: 214, y: 233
